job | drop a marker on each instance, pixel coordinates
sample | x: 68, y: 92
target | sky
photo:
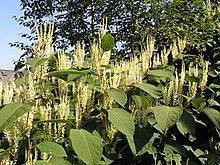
x: 9, y: 33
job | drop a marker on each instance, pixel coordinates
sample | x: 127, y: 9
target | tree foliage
x: 130, y: 21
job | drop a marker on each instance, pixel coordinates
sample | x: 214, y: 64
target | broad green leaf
x: 118, y: 95
x: 186, y: 124
x: 122, y: 121
x: 197, y: 101
x: 214, y: 115
x: 58, y: 161
x: 63, y: 74
x: 42, y: 162
x: 166, y: 116
x: 140, y: 139
x: 87, y: 146
x: 107, y: 42
x: 150, y: 89
x: 73, y: 77
x: 52, y: 148
x: 11, y: 112
x: 160, y: 73
x: 35, y: 62
x: 192, y: 78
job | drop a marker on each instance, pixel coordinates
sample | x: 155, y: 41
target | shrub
x: 78, y: 109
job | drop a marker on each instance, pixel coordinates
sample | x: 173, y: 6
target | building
x: 6, y: 75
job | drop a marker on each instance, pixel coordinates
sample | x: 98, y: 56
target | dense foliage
x: 129, y: 21
x: 78, y: 109
x: 159, y: 105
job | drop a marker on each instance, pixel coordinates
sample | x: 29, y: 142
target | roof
x: 6, y: 75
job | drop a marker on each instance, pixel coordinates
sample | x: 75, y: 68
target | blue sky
x: 9, y: 33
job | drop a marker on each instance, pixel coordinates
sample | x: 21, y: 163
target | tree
x: 129, y: 21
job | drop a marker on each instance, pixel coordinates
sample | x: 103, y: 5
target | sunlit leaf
x: 55, y: 160
x: 35, y: 62
x: 52, y: 148
x: 118, y: 95
x: 73, y: 77
x: 87, y: 146
x: 122, y: 121
x: 42, y: 162
x: 166, y: 116
x: 11, y: 112
x: 150, y: 89
x: 213, y: 115
x: 160, y: 73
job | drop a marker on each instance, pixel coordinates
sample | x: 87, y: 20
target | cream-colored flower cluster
x: 172, y: 95
x: 178, y: 47
x: 98, y: 56
x: 79, y: 55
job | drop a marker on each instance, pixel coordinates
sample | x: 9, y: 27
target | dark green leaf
x: 197, y: 101
x: 107, y: 42
x: 192, y: 78
x: 186, y: 124
x: 140, y: 139
x: 149, y: 147
x: 106, y: 160
x: 176, y: 146
x: 213, y: 73
x: 63, y: 74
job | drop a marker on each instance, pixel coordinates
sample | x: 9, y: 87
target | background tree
x: 129, y: 21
